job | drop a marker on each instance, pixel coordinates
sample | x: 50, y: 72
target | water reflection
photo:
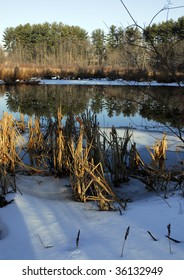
x: 113, y: 105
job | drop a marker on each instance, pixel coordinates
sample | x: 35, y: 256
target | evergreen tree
x: 99, y: 45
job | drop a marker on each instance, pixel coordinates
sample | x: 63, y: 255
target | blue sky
x: 88, y: 14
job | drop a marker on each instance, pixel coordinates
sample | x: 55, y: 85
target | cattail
x: 169, y: 234
x: 77, y: 239
x: 120, y: 211
x: 125, y: 238
x: 169, y: 229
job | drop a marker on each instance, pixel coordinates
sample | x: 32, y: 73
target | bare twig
x: 128, y: 12
x: 152, y: 43
x: 152, y: 236
x: 77, y: 239
x: 164, y: 9
x: 172, y: 239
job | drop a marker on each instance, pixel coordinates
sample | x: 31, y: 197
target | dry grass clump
x: 21, y: 124
x: 135, y: 161
x: 36, y: 141
x: 116, y: 154
x: 9, y: 134
x: 76, y: 155
x: 157, y: 177
x: 36, y: 146
x: 59, y: 155
x: 159, y: 149
x: 91, y: 158
x: 46, y: 145
x: 87, y: 179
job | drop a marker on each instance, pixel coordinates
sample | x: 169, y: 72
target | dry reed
x: 36, y: 141
x: 135, y: 160
x: 21, y: 123
x: 88, y: 157
x: 9, y: 156
x: 125, y: 238
x: 116, y: 153
x: 87, y: 179
x: 59, y: 147
x: 158, y: 154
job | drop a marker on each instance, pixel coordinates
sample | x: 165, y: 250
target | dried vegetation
x: 96, y: 162
x: 9, y: 157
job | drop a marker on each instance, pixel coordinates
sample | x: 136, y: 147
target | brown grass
x: 83, y: 156
x: 9, y: 158
x: 158, y: 151
x: 87, y: 179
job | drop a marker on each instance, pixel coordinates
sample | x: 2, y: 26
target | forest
x: 69, y: 51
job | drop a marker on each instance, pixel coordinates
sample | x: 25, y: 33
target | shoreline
x: 92, y: 81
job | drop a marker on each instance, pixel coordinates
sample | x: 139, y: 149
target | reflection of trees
x: 125, y: 101
x: 117, y: 106
x: 45, y: 100
x: 97, y: 103
x: 165, y: 106
x: 161, y: 104
x: 2, y: 90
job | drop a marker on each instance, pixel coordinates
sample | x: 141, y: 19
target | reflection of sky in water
x: 104, y: 120
x: 135, y: 121
x: 3, y: 108
x: 2, y: 105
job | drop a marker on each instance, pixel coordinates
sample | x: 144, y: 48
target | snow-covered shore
x: 46, y: 210
x: 106, y: 82
x: 93, y: 82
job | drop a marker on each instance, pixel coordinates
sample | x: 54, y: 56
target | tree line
x: 155, y: 48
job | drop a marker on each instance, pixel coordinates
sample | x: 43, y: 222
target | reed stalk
x: 21, y: 123
x: 125, y: 238
x: 9, y: 158
x: 87, y: 178
x: 169, y: 235
x: 135, y: 160
x: 59, y: 147
x: 158, y: 152
x: 116, y: 152
x: 36, y: 141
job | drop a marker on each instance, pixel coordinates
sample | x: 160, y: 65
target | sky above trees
x: 86, y: 14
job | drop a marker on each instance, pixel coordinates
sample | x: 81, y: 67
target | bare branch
x: 164, y: 9
x: 128, y: 12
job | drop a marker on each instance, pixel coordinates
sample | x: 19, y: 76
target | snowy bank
x: 106, y: 82
x: 46, y: 210
x: 43, y: 222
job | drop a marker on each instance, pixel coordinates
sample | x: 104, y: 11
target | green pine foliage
x: 132, y: 52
